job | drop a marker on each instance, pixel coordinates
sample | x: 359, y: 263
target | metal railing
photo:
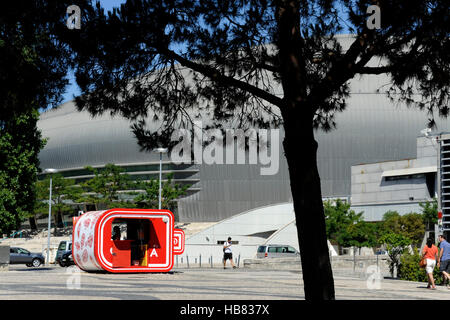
x: 198, y: 261
x: 20, y: 232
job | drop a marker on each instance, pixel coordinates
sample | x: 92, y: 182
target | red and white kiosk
x: 126, y: 240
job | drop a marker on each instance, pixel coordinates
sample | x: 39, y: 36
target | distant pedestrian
x: 116, y: 233
x: 430, y: 252
x: 444, y: 259
x: 228, y: 254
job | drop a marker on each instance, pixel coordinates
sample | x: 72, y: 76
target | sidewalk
x: 196, y: 284
x: 352, y: 288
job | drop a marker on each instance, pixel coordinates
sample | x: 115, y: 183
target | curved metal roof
x: 371, y: 129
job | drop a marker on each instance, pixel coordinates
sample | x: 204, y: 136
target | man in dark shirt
x: 444, y: 259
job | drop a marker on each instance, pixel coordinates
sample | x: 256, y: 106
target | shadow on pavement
x: 32, y: 269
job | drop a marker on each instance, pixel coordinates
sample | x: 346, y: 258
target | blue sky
x: 72, y: 89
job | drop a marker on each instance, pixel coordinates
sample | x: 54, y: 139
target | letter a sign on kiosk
x: 126, y: 240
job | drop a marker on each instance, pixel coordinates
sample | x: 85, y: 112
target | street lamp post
x: 49, y: 171
x: 437, y: 229
x: 426, y: 134
x: 160, y: 151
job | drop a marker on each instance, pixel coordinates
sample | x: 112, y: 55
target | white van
x: 276, y: 251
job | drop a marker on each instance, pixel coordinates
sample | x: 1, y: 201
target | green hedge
x: 410, y: 270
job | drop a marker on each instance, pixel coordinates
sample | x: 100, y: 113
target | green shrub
x: 410, y: 270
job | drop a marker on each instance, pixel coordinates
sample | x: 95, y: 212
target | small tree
x: 338, y: 219
x: 64, y: 191
x: 7, y: 217
x: 20, y: 143
x: 396, y: 245
x: 110, y: 184
x: 409, y: 225
x: 170, y: 192
x: 414, y: 227
x: 360, y: 234
x: 429, y: 213
x: 390, y: 215
x: 104, y: 189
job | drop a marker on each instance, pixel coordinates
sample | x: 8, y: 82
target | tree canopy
x: 64, y: 193
x: 149, y: 197
x: 20, y: 144
x: 103, y: 190
x: 33, y: 68
x: 346, y: 227
x: 410, y: 225
x: 429, y: 213
x: 396, y: 245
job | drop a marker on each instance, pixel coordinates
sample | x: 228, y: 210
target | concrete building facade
x: 398, y: 185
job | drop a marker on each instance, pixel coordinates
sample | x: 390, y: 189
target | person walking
x: 228, y: 254
x: 444, y: 259
x: 430, y: 253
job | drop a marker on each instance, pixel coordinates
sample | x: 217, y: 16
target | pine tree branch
x: 217, y: 76
x: 374, y: 70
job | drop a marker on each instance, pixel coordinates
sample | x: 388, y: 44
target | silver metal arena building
x: 371, y: 130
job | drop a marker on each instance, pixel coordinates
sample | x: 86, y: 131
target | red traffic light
x: 440, y: 215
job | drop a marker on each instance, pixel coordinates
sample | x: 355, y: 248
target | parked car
x: 22, y: 256
x: 64, y: 246
x: 276, y: 251
x: 66, y: 259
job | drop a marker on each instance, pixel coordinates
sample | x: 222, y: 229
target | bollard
x: 211, y: 261
x: 239, y: 260
x: 187, y: 261
x: 200, y: 260
x: 4, y: 258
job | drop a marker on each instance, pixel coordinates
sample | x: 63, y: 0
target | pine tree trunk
x: 55, y: 231
x: 301, y: 153
x: 59, y: 220
x: 32, y: 221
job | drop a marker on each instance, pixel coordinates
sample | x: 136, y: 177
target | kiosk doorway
x: 131, y: 239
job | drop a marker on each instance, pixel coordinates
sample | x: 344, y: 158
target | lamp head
x: 161, y: 150
x: 425, y: 132
x: 50, y: 170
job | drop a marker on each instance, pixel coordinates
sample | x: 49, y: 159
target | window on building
x: 431, y: 183
x: 406, y: 177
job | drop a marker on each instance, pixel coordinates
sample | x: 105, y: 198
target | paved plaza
x: 55, y: 283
